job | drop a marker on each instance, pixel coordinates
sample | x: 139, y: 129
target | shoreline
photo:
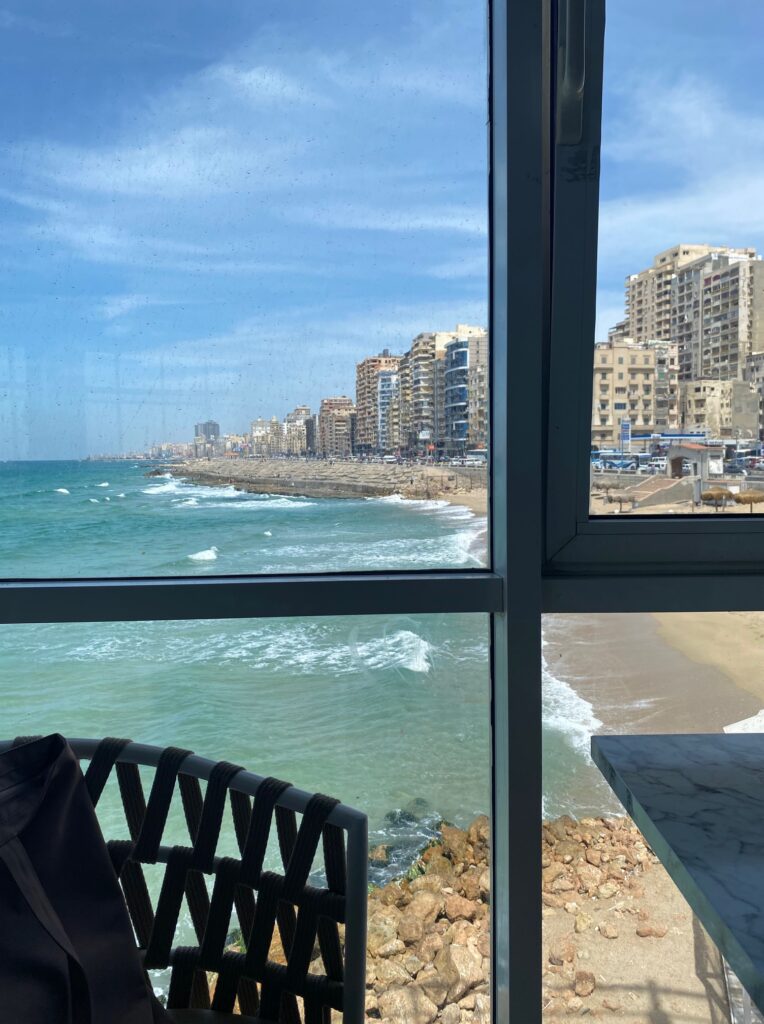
x: 465, y: 486
x: 638, y: 673
x: 645, y: 672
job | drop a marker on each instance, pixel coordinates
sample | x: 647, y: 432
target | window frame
x: 578, y: 545
x: 510, y: 590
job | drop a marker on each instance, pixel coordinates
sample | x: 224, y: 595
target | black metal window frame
x: 614, y: 559
x: 510, y: 592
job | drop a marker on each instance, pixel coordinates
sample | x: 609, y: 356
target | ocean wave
x: 440, y: 505
x: 61, y: 490
x: 104, y: 484
x: 120, y: 495
x: 208, y: 555
x: 253, y: 503
x: 95, y: 501
x: 182, y: 489
x: 567, y: 713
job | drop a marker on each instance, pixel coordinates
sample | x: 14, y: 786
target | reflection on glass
x: 248, y: 251
x: 678, y: 373
x: 619, y: 939
x: 391, y: 715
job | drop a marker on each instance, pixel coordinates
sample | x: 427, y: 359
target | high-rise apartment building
x: 367, y: 394
x: 424, y: 387
x: 206, y: 439
x: 295, y: 431
x: 336, y: 427
x: 717, y: 314
x: 648, y: 293
x: 466, y: 392
x: 209, y: 431
x: 477, y: 392
x: 637, y: 383
x: 388, y: 411
x: 721, y: 408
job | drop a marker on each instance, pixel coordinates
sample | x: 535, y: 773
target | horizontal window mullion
x: 659, y: 592
x: 249, y: 597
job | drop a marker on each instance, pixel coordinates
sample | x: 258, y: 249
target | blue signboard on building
x: 626, y: 435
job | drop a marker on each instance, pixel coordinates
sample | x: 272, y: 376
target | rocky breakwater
x: 429, y: 938
x: 329, y: 478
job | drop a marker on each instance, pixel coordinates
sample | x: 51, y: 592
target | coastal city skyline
x: 430, y: 401
x: 163, y: 259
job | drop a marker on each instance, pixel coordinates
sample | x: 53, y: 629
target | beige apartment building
x: 648, y: 293
x: 267, y: 437
x: 633, y: 381
x: 717, y: 315
x: 423, y: 388
x: 367, y: 398
x: 336, y: 427
x: 477, y: 390
x: 721, y: 408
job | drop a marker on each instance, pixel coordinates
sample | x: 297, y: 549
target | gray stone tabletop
x: 699, y: 802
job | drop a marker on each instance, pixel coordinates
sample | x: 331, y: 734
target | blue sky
x: 215, y: 210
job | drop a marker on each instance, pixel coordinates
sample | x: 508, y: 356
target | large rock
x: 469, y: 883
x: 426, y: 906
x: 426, y: 883
x: 388, y: 974
x: 455, y: 844
x: 406, y: 1004
x: 461, y: 968
x: 457, y: 908
x: 410, y: 927
x: 480, y: 830
x: 433, y: 984
x: 430, y: 945
x: 382, y: 928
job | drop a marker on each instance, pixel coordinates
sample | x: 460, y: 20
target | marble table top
x: 699, y: 802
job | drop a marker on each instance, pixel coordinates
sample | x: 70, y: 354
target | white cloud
x: 260, y: 84
x: 682, y: 162
x: 454, y: 219
x: 115, y: 306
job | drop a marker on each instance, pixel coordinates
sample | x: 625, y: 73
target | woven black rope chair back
x: 321, y: 928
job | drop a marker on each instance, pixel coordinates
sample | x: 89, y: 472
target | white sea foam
x: 120, y: 495
x: 107, y: 498
x: 188, y: 503
x: 254, y: 504
x: 94, y: 500
x: 178, y: 487
x: 267, y: 533
x: 104, y: 484
x: 62, y: 490
x: 439, y: 505
x: 208, y: 555
x: 567, y: 713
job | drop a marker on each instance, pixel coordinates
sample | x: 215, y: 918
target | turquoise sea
x: 389, y: 713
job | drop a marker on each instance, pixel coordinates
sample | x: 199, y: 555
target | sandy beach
x: 661, y: 673
x: 646, y: 674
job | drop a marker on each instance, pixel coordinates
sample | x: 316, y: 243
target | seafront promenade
x: 461, y: 485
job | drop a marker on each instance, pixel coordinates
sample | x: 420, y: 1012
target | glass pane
x: 391, y: 715
x: 678, y: 365
x: 246, y: 255
x: 620, y: 940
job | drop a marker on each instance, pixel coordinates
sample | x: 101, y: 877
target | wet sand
x: 647, y: 673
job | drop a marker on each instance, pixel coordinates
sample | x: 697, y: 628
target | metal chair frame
x: 353, y: 823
